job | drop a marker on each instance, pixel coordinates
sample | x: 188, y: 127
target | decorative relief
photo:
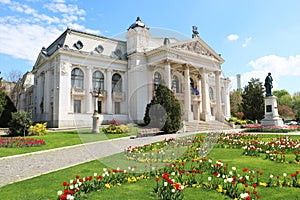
x: 118, y: 96
x: 78, y: 92
x: 65, y: 68
x: 195, y: 47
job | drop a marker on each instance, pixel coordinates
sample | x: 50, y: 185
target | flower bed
x: 20, y: 142
x: 189, y: 169
x: 273, y: 129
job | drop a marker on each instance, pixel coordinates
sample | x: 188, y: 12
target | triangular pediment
x: 40, y: 60
x: 197, y: 46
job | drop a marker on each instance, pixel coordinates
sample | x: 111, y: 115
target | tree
x: 284, y: 97
x: 253, y: 100
x: 164, y: 111
x: 19, y: 124
x: 296, y: 104
x: 2, y: 97
x: 13, y: 76
x: 235, y: 102
x: 286, y: 112
x: 5, y: 116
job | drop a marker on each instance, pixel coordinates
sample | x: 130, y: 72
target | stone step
x: 206, y: 126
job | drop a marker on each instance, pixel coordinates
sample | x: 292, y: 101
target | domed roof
x: 137, y: 23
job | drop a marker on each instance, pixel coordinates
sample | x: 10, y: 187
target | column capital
x: 167, y: 60
x: 217, y: 73
x: 186, y: 66
x: 202, y: 71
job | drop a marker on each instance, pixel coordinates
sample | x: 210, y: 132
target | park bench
x: 148, y: 132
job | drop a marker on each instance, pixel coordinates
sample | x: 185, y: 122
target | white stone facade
x: 124, y: 75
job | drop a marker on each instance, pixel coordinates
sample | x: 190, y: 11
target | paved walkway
x: 25, y: 166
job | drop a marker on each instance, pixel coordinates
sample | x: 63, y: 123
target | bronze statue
x: 195, y: 31
x: 269, y: 85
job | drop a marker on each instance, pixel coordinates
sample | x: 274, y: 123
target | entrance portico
x: 196, y: 70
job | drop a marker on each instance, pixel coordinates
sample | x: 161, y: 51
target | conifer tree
x: 253, y: 100
x: 164, y: 111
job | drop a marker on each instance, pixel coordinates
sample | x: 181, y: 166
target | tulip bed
x: 20, y: 142
x: 177, y: 165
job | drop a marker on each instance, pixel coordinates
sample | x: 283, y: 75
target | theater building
x: 82, y: 72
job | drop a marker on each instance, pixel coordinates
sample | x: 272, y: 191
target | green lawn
x: 46, y: 186
x: 62, y: 139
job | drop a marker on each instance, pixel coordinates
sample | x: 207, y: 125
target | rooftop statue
x: 195, y: 32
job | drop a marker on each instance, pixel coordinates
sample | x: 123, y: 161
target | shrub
x: 19, y: 124
x: 5, y: 117
x: 115, y: 129
x: 164, y: 111
x: 239, y: 121
x: 38, y: 129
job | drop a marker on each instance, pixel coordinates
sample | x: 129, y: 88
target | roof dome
x: 137, y: 23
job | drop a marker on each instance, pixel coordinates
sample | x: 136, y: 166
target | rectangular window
x: 117, y: 107
x: 77, y: 106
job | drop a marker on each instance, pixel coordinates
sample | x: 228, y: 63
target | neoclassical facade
x: 81, y: 72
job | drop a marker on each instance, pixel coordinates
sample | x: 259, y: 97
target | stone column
x: 219, y: 113
x: 89, y: 88
x: 108, y: 92
x: 46, y: 93
x: 227, y: 100
x: 205, y: 114
x: 188, y: 115
x: 168, y: 74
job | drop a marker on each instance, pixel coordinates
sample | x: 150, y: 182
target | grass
x: 63, y: 139
x: 46, y: 186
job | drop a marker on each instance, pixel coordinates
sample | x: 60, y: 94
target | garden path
x: 25, y: 166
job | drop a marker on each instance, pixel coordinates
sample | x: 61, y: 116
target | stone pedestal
x: 271, y: 113
x: 96, y: 122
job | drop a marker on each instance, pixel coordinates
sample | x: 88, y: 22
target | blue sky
x: 254, y: 36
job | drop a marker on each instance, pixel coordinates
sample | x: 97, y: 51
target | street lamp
x: 96, y: 94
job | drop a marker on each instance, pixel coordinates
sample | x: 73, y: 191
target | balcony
x: 77, y: 92
x: 195, y: 97
x: 118, y: 96
x: 99, y: 93
x: 179, y: 96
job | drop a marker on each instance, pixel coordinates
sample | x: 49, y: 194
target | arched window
x: 77, y: 78
x: 175, y: 84
x: 157, y: 80
x: 211, y: 93
x: 117, y: 83
x: 98, y: 80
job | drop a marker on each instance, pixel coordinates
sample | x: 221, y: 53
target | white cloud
x: 5, y: 1
x: 84, y: 29
x: 232, y: 37
x: 63, y: 8
x: 27, y: 30
x: 278, y: 66
x: 245, y: 44
x: 27, y: 39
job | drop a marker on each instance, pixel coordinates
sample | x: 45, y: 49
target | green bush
x: 19, y: 124
x: 38, y: 129
x: 164, y: 111
x: 115, y: 129
x: 5, y: 116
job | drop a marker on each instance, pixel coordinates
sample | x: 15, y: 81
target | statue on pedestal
x: 269, y: 85
x: 272, y: 117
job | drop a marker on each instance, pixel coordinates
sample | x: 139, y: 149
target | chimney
x: 238, y: 79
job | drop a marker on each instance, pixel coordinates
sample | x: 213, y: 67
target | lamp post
x: 96, y: 94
